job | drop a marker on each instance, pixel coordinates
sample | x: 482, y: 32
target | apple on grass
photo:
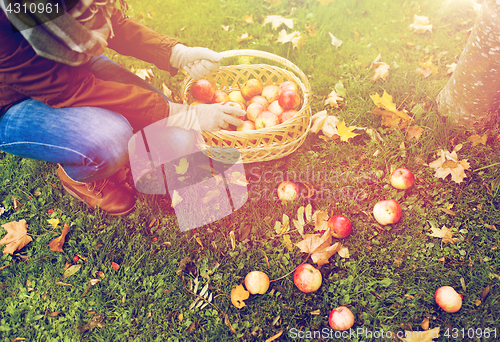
x: 289, y: 99
x: 288, y: 191
x: 448, y: 299
x: 340, y: 226
x: 387, y: 212
x: 254, y: 110
x: 307, y: 278
x: 266, y: 119
x: 257, y: 282
x: 270, y: 92
x: 402, y: 179
x: 288, y: 85
x: 203, y: 91
x: 287, y: 114
x: 341, y: 318
x: 252, y: 88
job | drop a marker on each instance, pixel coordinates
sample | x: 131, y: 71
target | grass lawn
x: 390, y: 278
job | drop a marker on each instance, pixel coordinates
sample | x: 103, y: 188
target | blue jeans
x: 90, y: 143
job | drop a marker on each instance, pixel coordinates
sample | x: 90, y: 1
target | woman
x: 62, y: 101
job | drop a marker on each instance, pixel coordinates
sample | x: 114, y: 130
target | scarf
x: 69, y: 35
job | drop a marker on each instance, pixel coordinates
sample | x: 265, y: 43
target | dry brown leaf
x: 295, y: 38
x: 321, y: 257
x: 244, y: 37
x: 421, y: 336
x: 414, y: 132
x: 238, y: 295
x: 333, y: 99
x: 344, y: 252
x: 448, y: 211
x: 315, y: 242
x: 448, y: 164
x: 381, y: 69
x: 277, y: 20
x: 233, y: 240
x: 57, y: 244
x: 426, y: 68
x: 275, y: 337
x: 16, y: 237
x: 444, y: 233
x: 389, y: 119
x: 320, y: 219
x: 425, y: 324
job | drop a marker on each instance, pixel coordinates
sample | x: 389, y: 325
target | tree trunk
x: 471, y: 98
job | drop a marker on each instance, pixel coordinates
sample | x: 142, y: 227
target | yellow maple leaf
x: 295, y: 38
x: 477, y: 139
x: 345, y: 133
x: 421, y: 336
x: 444, y: 233
x: 238, y: 295
x: 389, y: 119
x: 277, y: 20
x: 16, y: 237
x: 53, y: 222
x: 385, y: 102
x: 333, y: 99
x: 248, y: 18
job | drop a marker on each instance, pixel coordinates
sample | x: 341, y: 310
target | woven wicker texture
x: 267, y: 143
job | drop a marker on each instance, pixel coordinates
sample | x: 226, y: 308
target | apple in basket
x: 246, y: 126
x: 275, y: 108
x: 266, y: 119
x: 235, y: 96
x: 288, y: 85
x: 235, y: 104
x: 289, y: 99
x: 259, y: 99
x: 220, y: 96
x: 287, y: 114
x: 254, y: 110
x: 252, y: 87
x: 203, y: 91
x: 270, y: 92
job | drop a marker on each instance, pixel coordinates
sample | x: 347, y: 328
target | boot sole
x: 74, y: 195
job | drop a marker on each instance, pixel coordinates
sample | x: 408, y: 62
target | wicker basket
x: 267, y: 143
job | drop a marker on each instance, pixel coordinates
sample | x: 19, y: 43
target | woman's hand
x: 199, y: 62
x: 204, y: 117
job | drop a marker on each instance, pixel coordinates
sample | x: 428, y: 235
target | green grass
x: 391, y: 276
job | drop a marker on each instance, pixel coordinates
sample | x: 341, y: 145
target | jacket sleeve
x: 59, y: 85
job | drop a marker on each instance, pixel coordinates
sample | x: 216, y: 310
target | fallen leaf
x: 381, y: 69
x: 226, y: 318
x: 426, y: 68
x: 288, y: 243
x: 425, y: 324
x: 311, y: 30
x: 421, y: 25
x: 448, y: 211
x: 335, y: 41
x: 315, y: 242
x: 320, y: 219
x: 333, y: 99
x: 277, y: 20
x: 344, y: 132
x: 57, y: 244
x: 478, y: 139
x: 421, y: 336
x: 53, y: 222
x: 115, y: 266
x: 248, y: 18
x: 449, y: 164
x: 244, y: 37
x: 414, y: 132
x: 344, y: 252
x: 385, y: 102
x: 70, y: 271
x: 95, y: 322
x: 238, y: 295
x: 233, y: 240
x: 295, y: 38
x: 16, y: 237
x: 275, y: 337
x: 321, y: 257
x: 389, y: 119
x: 444, y: 233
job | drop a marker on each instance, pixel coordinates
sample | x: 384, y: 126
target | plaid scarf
x: 72, y: 36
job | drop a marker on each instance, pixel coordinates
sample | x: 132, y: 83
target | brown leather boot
x: 113, y: 199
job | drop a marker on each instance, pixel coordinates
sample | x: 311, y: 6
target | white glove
x: 199, y: 62
x: 203, y: 117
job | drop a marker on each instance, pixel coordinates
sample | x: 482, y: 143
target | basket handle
x: 269, y: 56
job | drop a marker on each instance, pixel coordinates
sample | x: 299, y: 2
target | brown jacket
x: 23, y: 74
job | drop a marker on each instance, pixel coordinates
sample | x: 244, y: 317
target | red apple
x: 289, y: 99
x: 254, y: 110
x: 259, y: 99
x: 288, y: 191
x: 266, y: 119
x: 220, y: 96
x: 257, y: 282
x: 235, y: 104
x: 275, y: 108
x: 287, y: 114
x: 270, y: 92
x: 340, y: 226
x: 252, y: 88
x: 246, y: 126
x: 448, y: 299
x: 402, y: 179
x: 307, y: 278
x: 203, y: 91
x: 288, y: 85
x: 387, y: 212
x: 341, y: 318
